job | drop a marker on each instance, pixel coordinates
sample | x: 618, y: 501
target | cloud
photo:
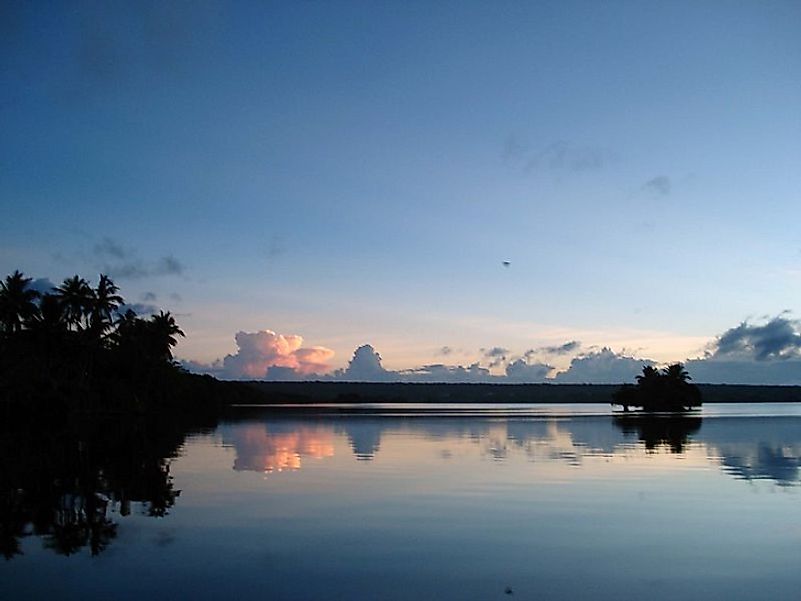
x: 522, y: 371
x: 365, y: 366
x: 138, y: 308
x: 108, y: 247
x: 149, y: 296
x: 562, y: 349
x: 514, y: 149
x: 779, y: 338
x: 602, y: 367
x: 42, y: 285
x: 766, y: 353
x: 259, y: 351
x: 438, y: 372
x: 123, y: 263
x: 168, y: 265
x: 771, y: 372
x: 659, y: 185
x: 565, y: 156
x: 267, y: 355
x: 497, y: 355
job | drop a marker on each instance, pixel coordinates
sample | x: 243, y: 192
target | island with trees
x: 667, y: 390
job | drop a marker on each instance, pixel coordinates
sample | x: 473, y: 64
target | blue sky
x: 355, y: 172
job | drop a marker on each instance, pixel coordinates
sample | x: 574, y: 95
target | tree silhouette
x: 668, y: 390
x: 164, y: 331
x: 17, y: 302
x: 76, y: 296
x: 71, y: 350
x: 103, y: 304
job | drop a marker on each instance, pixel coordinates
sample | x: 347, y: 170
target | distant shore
x: 398, y: 392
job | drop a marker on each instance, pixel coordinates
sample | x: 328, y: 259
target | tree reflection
x: 64, y: 482
x: 672, y: 432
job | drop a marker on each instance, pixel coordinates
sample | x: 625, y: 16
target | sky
x: 295, y: 181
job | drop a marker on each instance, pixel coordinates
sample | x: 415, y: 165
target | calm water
x: 557, y: 502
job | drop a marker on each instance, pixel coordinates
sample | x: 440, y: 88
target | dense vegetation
x: 666, y: 390
x: 75, y: 348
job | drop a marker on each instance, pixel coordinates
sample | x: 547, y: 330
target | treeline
x: 77, y: 348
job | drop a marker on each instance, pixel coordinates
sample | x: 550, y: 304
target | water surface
x: 445, y: 502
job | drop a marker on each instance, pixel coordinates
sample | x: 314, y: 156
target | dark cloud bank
x: 766, y: 353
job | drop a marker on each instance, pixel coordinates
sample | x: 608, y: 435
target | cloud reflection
x: 263, y: 449
x: 745, y: 448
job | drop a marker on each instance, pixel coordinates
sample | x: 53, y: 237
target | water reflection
x: 672, y: 432
x: 745, y: 448
x: 278, y: 446
x: 64, y: 482
x: 71, y: 484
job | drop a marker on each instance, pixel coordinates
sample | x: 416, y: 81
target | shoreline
x: 301, y: 393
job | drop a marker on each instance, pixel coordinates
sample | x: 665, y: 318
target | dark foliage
x: 68, y: 481
x: 70, y: 350
x: 668, y: 390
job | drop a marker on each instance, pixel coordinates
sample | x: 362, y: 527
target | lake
x: 397, y: 502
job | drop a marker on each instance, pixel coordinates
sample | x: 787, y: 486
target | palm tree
x: 104, y: 302
x: 50, y: 318
x: 17, y: 302
x: 676, y: 373
x: 164, y: 331
x: 77, y: 298
x: 649, y: 375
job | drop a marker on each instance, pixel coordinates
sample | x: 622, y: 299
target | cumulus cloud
x: 779, y: 338
x: 768, y: 353
x: 365, y: 366
x: 763, y: 353
x: 659, y: 185
x: 523, y: 371
x: 259, y: 351
x: 268, y: 355
x: 602, y: 367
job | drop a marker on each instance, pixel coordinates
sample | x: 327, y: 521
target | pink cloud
x: 259, y: 351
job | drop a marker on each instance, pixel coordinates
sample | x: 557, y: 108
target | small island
x: 665, y: 391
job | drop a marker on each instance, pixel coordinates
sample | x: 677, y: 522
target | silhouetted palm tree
x: 50, y: 319
x: 676, y: 373
x: 17, y: 302
x: 649, y: 375
x: 164, y: 331
x: 104, y: 302
x: 77, y: 297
